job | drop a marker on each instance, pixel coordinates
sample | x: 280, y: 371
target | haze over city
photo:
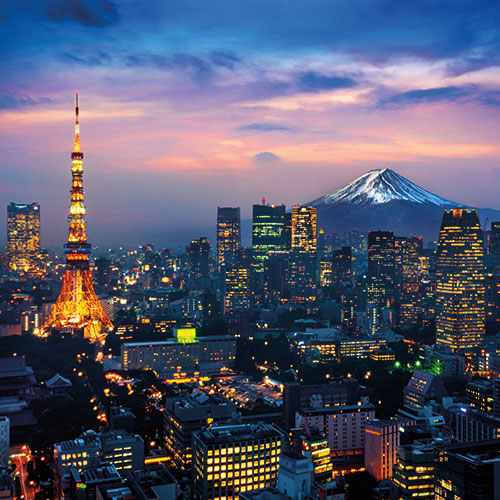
x: 187, y: 106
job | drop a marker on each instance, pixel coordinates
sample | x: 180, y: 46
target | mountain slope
x: 384, y: 200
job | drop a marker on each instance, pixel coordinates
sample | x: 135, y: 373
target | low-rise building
x: 343, y: 425
x: 422, y: 388
x: 154, y: 482
x: 84, y: 484
x: 295, y: 475
x: 123, y: 450
x: 81, y: 453
x: 204, y: 355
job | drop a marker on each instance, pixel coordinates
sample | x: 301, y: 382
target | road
x: 19, y: 456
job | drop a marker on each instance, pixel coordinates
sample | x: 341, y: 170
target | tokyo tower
x: 77, y: 308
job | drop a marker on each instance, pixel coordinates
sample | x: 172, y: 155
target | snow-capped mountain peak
x: 383, y: 186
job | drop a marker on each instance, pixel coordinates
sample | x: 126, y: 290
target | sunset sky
x: 186, y: 105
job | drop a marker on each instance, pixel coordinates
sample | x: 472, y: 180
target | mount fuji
x: 384, y: 200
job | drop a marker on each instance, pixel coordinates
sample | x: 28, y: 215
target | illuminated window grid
x: 225, y: 470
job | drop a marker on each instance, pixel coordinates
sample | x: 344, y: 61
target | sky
x: 187, y: 104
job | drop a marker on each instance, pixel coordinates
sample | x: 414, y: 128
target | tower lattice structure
x: 77, y: 308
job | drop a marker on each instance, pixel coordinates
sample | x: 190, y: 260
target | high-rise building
x: 381, y: 444
x: 268, y: 232
x: 302, y: 260
x: 228, y: 234
x: 304, y: 229
x: 184, y: 415
x: 325, y: 272
x: 343, y: 425
x: 276, y: 276
x: 197, y: 256
x: 315, y: 447
x: 4, y: 442
x: 407, y: 262
x: 231, y: 459
x: 341, y: 269
x: 103, y: 271
x: 495, y: 245
x: 381, y: 268
x: 468, y: 471
x: 23, y: 236
x: 460, y: 292
x: 288, y: 231
x: 77, y: 308
x: 492, y: 297
x: 237, y: 289
x: 413, y: 473
x: 297, y: 396
x: 302, y: 277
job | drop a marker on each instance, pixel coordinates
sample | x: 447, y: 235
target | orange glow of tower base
x: 78, y: 308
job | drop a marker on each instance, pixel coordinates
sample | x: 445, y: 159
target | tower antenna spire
x: 77, y: 125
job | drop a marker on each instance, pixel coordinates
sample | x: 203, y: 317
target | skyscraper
x: 228, y: 234
x: 23, y: 236
x: 276, y: 276
x: 304, y: 229
x: 460, y: 291
x: 302, y: 260
x: 77, y: 308
x: 381, y: 268
x: 341, y: 269
x: 237, y: 289
x: 268, y: 232
x: 197, y: 254
x: 495, y: 245
x: 407, y: 262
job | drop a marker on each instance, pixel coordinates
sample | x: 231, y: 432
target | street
x: 20, y: 456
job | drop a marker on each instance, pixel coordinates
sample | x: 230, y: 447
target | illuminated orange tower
x: 77, y: 308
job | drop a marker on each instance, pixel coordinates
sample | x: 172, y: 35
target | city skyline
x: 188, y: 109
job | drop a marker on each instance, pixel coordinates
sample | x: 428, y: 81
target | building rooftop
x: 381, y: 424
x: 118, y: 435
x: 340, y: 408
x: 104, y: 472
x: 152, y: 476
x: 58, y: 381
x: 14, y: 366
x: 477, y: 452
x: 269, y: 493
x: 118, y: 411
x: 234, y: 433
x: 174, y: 342
x: 426, y: 384
x: 198, y: 398
x: 88, y: 438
